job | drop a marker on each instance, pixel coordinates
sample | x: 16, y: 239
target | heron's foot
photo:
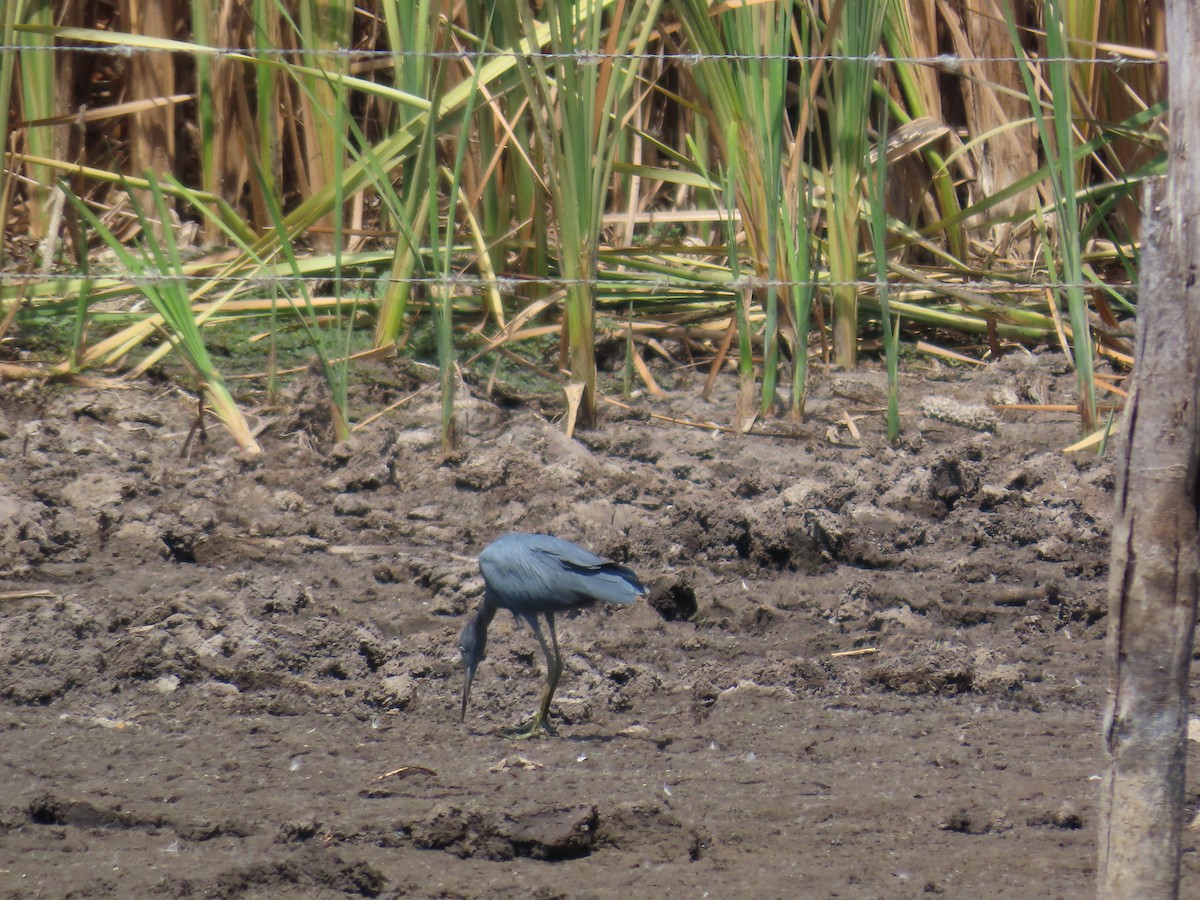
x: 538, y: 726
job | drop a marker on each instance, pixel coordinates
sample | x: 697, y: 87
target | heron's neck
x: 483, y: 618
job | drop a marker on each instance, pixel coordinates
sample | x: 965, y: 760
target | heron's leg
x: 554, y: 670
x: 554, y: 666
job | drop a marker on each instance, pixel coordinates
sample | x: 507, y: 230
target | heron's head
x: 472, y: 645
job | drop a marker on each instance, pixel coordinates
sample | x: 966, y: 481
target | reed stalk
x: 851, y: 86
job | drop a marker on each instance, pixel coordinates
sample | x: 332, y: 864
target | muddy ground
x: 209, y: 664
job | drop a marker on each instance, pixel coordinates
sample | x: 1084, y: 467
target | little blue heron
x: 534, y: 575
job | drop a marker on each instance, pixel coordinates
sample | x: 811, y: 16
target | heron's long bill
x: 467, y: 691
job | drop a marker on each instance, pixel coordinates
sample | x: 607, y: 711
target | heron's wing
x: 563, y: 552
x: 592, y: 576
x: 536, y: 573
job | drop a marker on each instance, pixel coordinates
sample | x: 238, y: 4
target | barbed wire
x: 950, y: 61
x: 512, y: 283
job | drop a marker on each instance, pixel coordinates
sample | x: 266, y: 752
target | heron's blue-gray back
x: 542, y: 573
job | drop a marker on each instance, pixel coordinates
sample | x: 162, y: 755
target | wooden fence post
x: 1155, y: 571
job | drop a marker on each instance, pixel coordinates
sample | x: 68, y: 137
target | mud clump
x: 673, y: 598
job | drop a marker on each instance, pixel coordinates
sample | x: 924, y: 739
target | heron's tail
x: 615, y: 584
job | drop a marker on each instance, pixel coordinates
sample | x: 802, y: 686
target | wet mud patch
x: 862, y: 668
